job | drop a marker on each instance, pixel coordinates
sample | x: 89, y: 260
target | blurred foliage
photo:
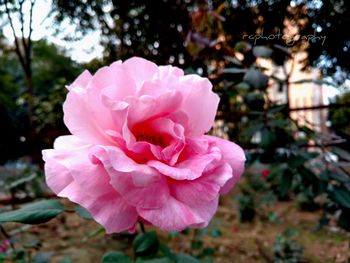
x: 339, y: 117
x: 52, y: 70
x: 286, y: 249
x: 149, y: 248
x: 11, y: 83
x: 21, y: 180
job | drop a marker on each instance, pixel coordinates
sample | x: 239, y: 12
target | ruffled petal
x: 86, y: 117
x: 197, y: 94
x: 137, y: 183
x: 70, y: 173
x: 203, y: 189
x: 114, y: 82
x: 206, y: 211
x: 190, y: 168
x: 233, y: 155
x: 173, y: 216
x: 166, y: 78
x: 147, y: 107
x: 82, y: 81
x: 140, y: 69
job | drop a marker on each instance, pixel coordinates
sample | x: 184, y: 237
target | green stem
x: 142, y: 226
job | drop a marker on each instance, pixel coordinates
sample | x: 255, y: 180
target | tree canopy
x: 161, y: 28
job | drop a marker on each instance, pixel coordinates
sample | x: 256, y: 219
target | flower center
x: 148, y: 132
x: 154, y: 139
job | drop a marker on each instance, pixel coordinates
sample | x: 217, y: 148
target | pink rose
x: 138, y: 149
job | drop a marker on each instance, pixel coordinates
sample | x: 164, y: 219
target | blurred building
x: 303, y: 91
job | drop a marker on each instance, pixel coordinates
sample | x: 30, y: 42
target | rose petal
x: 114, y: 82
x: 166, y: 79
x: 203, y: 189
x: 173, y: 216
x: 147, y: 107
x: 82, y: 81
x: 109, y: 210
x: 206, y: 211
x: 234, y: 156
x: 175, y: 133
x: 137, y: 183
x: 70, y: 173
x: 140, y: 69
x: 169, y: 72
x: 199, y: 94
x: 190, y: 168
x: 86, y: 117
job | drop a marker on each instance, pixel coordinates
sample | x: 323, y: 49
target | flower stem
x: 142, y: 226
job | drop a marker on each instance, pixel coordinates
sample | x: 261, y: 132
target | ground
x: 66, y: 237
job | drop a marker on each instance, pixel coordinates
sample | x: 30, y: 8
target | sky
x: 81, y: 51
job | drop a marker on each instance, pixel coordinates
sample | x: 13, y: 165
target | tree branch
x: 17, y: 47
x: 21, y: 17
x: 30, y: 26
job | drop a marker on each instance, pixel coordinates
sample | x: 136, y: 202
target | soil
x: 67, y: 237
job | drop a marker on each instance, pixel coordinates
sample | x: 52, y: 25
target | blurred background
x: 281, y: 69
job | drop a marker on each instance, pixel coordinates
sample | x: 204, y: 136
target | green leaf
x: 146, y: 243
x: 340, y: 176
x: 256, y: 78
x: 184, y: 258
x: 185, y: 231
x: 323, y: 221
x: 286, y: 182
x: 94, y: 233
x: 296, y: 161
x: 34, y: 213
x: 242, y: 85
x: 274, y: 217
x: 115, y: 257
x: 242, y: 46
x: 255, y: 101
x: 83, y: 213
x: 197, y: 244
x: 216, y: 232
x: 279, y: 123
x: 208, y: 252
x: 341, y: 195
x: 343, y: 220
x: 234, y: 70
x: 21, y: 181
x: 341, y: 153
x: 262, y: 51
x: 268, y: 139
x: 154, y: 260
x: 165, y: 250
